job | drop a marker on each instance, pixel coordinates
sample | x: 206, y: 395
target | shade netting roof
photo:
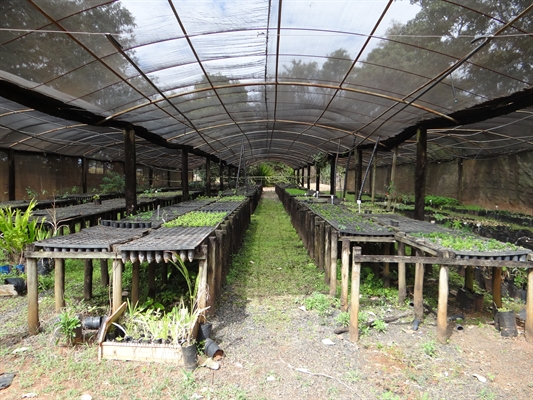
x: 277, y: 80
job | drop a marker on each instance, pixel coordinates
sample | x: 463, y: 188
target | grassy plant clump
x: 235, y: 198
x: 321, y: 303
x: 197, y: 218
x: 296, y: 192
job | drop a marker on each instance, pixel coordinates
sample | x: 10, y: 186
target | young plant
x: 66, y: 325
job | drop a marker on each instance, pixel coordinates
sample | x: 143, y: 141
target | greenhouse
x: 264, y: 182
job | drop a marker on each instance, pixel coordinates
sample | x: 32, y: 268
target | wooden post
x: 298, y: 177
x: 135, y: 269
x: 344, y: 273
x: 392, y: 186
x: 59, y: 283
x: 327, y: 253
x: 386, y: 266
x: 164, y: 273
x: 104, y: 272
x: 88, y: 278
x: 402, y: 287
x: 497, y: 286
x: 418, y: 290
x: 334, y: 237
x: 354, y: 300
x: 359, y: 172
x: 212, y: 275
x: 529, y: 307
x: 459, y: 180
x: 317, y: 179
x: 332, y: 175
x: 32, y: 283
x: 420, y: 173
x: 442, y: 309
x: 309, y: 177
x: 374, y: 170
x: 185, y: 174
x: 202, y: 274
x: 469, y: 278
x: 130, y: 171
x: 208, y: 177
x: 221, y: 173
x: 117, y: 283
x: 151, y: 279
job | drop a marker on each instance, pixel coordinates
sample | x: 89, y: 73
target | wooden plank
x: 327, y: 253
x: 71, y: 255
x: 354, y: 300
x: 442, y: 309
x: 402, y: 286
x: 117, y: 284
x: 88, y: 278
x: 8, y: 290
x: 418, y: 289
x: 32, y: 284
x: 497, y: 286
x: 369, y: 239
x: 333, y: 263
x: 59, y: 284
x: 417, y: 243
x: 344, y: 274
x: 444, y: 261
x: 140, y: 352
x: 135, y: 271
x: 529, y: 307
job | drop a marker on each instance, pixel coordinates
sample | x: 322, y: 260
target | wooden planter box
x: 135, y: 351
x: 140, y: 352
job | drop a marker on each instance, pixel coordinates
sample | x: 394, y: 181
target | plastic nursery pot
x: 4, y: 269
x: 20, y: 268
x: 212, y: 350
x: 91, y: 322
x: 190, y: 357
x: 507, y: 323
x: 204, y: 332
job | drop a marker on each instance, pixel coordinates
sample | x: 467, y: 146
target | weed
x: 320, y: 302
x: 343, y: 318
x: 430, y: 348
x: 380, y: 325
x: 486, y: 394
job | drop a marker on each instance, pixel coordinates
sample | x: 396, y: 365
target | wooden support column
x: 59, y: 283
x: 460, y: 180
x: 418, y: 290
x: 185, y: 174
x: 220, y: 260
x: 392, y: 185
x: 202, y: 274
x: 332, y: 175
x: 317, y: 179
x: 374, y: 171
x: 118, y: 266
x: 164, y: 273
x: 135, y: 270
x: 469, y: 278
x: 169, y: 182
x: 386, y: 266
x: 221, y: 173
x: 354, y: 300
x: 208, y: 176
x: 212, y: 275
x: 151, y: 279
x: 442, y: 309
x: 359, y: 172
x: 497, y: 286
x: 402, y: 287
x: 344, y: 273
x: 298, y: 176
x: 529, y: 307
x: 308, y: 177
x: 84, y: 174
x: 32, y: 283
x: 11, y: 183
x: 150, y: 177
x: 130, y: 171
x: 420, y: 173
x: 334, y: 237
x: 104, y: 272
x: 88, y: 278
x: 327, y: 253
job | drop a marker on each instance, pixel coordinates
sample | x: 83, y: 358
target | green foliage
x: 343, y: 318
x: 466, y: 242
x: 232, y: 198
x: 18, y: 230
x: 261, y: 174
x: 321, y: 303
x: 296, y: 192
x: 380, y: 325
x: 440, y: 201
x: 66, y: 325
x: 197, y: 218
x: 430, y: 348
x: 113, y: 182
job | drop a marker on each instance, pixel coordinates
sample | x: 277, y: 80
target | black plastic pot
x: 204, y: 332
x: 91, y: 322
x: 507, y: 323
x: 190, y: 357
x: 19, y: 284
x: 212, y: 350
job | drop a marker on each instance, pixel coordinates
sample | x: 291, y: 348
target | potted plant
x: 96, y: 199
x: 68, y: 326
